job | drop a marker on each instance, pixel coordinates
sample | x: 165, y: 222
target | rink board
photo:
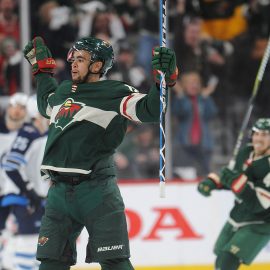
x: 179, y: 230
x: 252, y: 267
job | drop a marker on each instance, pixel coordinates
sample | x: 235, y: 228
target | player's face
x: 16, y: 112
x: 80, y: 63
x: 261, y: 142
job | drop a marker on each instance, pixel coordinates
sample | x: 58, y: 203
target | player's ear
x: 96, y: 67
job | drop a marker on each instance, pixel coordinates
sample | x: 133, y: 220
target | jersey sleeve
x: 46, y: 87
x: 140, y: 107
x: 257, y: 199
x: 256, y: 192
x: 241, y: 157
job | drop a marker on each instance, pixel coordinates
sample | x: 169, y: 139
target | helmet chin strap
x: 90, y: 72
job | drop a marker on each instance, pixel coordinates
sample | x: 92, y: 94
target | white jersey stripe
x: 91, y: 114
x: 49, y: 108
x: 128, y: 106
x: 95, y: 115
x: 263, y: 197
x: 59, y: 169
x: 241, y: 224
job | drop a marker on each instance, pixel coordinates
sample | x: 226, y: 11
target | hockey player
x: 15, y: 116
x: 23, y: 189
x: 13, y: 119
x: 88, y: 120
x: 247, y: 230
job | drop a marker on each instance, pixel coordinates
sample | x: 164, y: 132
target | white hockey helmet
x: 18, y: 99
x: 32, y: 108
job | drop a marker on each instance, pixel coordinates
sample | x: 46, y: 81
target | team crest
x: 66, y: 113
x: 42, y: 241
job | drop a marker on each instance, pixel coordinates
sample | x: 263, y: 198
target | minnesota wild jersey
x: 88, y: 121
x: 253, y: 203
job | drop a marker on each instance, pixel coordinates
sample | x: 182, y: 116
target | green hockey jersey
x: 88, y: 121
x: 253, y: 203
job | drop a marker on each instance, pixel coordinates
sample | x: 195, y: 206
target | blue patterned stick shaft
x: 162, y: 135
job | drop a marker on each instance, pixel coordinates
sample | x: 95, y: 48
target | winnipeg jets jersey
x: 24, y: 156
x: 6, y: 138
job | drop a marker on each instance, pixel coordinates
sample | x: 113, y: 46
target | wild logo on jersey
x: 66, y: 113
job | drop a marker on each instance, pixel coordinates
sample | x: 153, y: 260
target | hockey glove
x: 210, y: 183
x: 164, y: 60
x: 233, y: 179
x: 35, y: 200
x: 39, y: 56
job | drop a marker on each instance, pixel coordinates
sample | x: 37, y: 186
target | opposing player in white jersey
x: 15, y: 116
x: 23, y: 189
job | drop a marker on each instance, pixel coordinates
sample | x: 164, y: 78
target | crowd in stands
x: 218, y: 45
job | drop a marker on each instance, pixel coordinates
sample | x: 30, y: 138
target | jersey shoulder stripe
x: 16, y: 158
x: 128, y: 106
x: 263, y: 197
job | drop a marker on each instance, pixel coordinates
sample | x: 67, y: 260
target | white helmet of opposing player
x: 32, y: 108
x: 18, y: 99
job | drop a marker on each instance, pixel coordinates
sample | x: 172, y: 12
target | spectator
x: 96, y: 19
x: 124, y: 156
x: 194, y: 109
x: 57, y: 27
x: 9, y: 23
x: 125, y: 68
x: 85, y: 13
x: 149, y: 31
x: 109, y: 24
x: 223, y: 19
x: 191, y: 50
x: 249, y: 50
x: 258, y: 18
x: 130, y: 13
x: 10, y: 66
x: 146, y: 156
x: 194, y: 53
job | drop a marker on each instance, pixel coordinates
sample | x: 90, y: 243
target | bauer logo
x: 66, y: 113
x: 50, y: 61
x: 110, y: 248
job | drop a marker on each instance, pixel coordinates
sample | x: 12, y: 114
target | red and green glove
x: 206, y: 186
x: 39, y: 56
x: 164, y: 60
x: 234, y: 180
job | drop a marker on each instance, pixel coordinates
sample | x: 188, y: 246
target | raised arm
x: 43, y: 65
x: 145, y: 108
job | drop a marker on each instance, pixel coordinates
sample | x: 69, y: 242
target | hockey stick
x: 162, y: 135
x: 255, y: 89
